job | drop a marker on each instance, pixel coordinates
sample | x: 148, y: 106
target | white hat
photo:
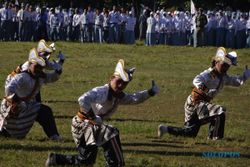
x: 233, y: 57
x: 124, y: 74
x: 33, y: 57
x: 229, y: 58
x: 43, y: 47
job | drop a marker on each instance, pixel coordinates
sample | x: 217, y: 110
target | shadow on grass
x: 138, y: 120
x: 45, y: 139
x: 153, y: 145
x: 27, y: 147
x: 35, y: 147
x: 156, y: 139
x: 60, y: 101
x: 117, y: 119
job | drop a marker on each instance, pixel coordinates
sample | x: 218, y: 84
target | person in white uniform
x: 88, y: 129
x: 199, y: 108
x: 20, y: 108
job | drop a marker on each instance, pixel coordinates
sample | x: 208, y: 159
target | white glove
x: 98, y: 120
x: 246, y: 73
x: 154, y: 89
x: 61, y: 58
x: 53, y: 46
x: 212, y: 92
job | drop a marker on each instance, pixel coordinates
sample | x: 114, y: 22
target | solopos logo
x: 212, y: 154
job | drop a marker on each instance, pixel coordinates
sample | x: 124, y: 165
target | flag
x: 193, y: 10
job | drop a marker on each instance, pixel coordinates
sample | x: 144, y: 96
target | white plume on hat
x: 233, y: 57
x: 33, y: 57
x: 43, y: 47
x: 229, y: 58
x: 124, y: 74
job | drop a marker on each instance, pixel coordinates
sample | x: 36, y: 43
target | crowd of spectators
x: 24, y: 22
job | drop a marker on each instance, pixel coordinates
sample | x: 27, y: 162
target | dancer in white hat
x: 44, y: 51
x: 199, y: 109
x: 20, y: 108
x: 88, y: 129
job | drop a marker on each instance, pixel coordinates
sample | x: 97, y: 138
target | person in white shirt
x: 98, y: 26
x: 76, y: 26
x: 88, y: 129
x: 221, y: 29
x: 210, y: 29
x: 20, y: 107
x: 130, y: 28
x: 106, y: 26
x: 6, y: 16
x: 20, y: 20
x: 169, y: 28
x: 65, y: 25
x: 84, y: 26
x: 230, y: 33
x: 241, y: 31
x: 54, y: 25
x: 150, y: 33
x: 199, y: 108
x: 123, y: 14
x: 114, y: 17
x: 91, y: 24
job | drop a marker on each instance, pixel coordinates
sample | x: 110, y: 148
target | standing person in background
x: 61, y: 22
x: 4, y: 15
x: 248, y: 32
x: 98, y: 26
x: 54, y: 25
x: 143, y: 25
x: 241, y: 31
x: 199, y: 32
x: 169, y: 29
x: 15, y: 24
x: 70, y: 27
x: 114, y: 17
x: 130, y: 29
x: 188, y: 25
x: 76, y: 26
x: 230, y: 32
x: 65, y: 26
x: 151, y: 35
x: 91, y: 24
x: 26, y: 16
x: 41, y: 29
x: 160, y: 19
x: 106, y: 26
x: 199, y: 109
x: 84, y: 26
x: 88, y: 129
x: 30, y: 23
x: 221, y: 29
x: 122, y: 25
x: 20, y: 22
x: 210, y: 29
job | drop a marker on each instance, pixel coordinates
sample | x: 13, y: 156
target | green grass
x: 173, y: 68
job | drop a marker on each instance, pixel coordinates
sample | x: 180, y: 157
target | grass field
x: 173, y: 69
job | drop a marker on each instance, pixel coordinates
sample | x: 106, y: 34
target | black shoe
x: 161, y: 130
